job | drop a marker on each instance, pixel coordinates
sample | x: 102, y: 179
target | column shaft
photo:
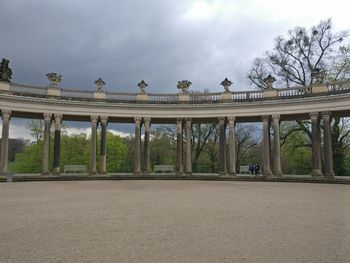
x: 147, y: 148
x: 103, y: 149
x: 6, y: 114
x: 137, y: 151
x: 188, y: 147
x: 328, y: 152
x: 57, y: 144
x: 277, y: 146
x: 316, y: 144
x: 46, y: 146
x: 232, y: 145
x: 266, y: 146
x: 222, y: 146
x: 93, y: 152
x: 179, y: 160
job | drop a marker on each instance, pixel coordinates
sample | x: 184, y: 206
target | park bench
x: 74, y: 168
x: 164, y: 168
x: 244, y: 169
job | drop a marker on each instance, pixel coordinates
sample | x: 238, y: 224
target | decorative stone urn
x: 5, y: 71
x: 54, y: 78
x: 142, y: 85
x: 99, y: 83
x: 226, y: 84
x: 269, y: 80
x: 184, y: 85
x: 317, y: 76
x: 269, y: 90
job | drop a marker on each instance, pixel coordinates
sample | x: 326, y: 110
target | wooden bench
x: 244, y: 169
x: 75, y: 168
x: 164, y: 168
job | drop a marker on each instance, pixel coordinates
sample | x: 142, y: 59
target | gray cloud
x: 126, y: 41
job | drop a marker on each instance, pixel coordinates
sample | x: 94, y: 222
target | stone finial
x: 226, y: 84
x: 5, y: 71
x: 317, y: 76
x: 99, y: 83
x: 269, y: 80
x: 184, y: 85
x: 54, y: 78
x: 142, y: 85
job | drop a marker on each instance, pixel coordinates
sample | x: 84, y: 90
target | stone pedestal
x: 99, y: 95
x: 319, y: 89
x: 6, y: 114
x: 53, y: 91
x: 46, y: 146
x: 141, y: 97
x: 57, y: 144
x: 4, y: 86
x: 268, y: 93
x: 184, y: 97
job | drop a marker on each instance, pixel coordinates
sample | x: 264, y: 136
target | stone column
x: 222, y: 146
x: 93, y: 152
x: 103, y: 149
x: 147, y: 148
x: 266, y: 145
x: 179, y: 165
x: 188, y: 147
x: 277, y: 146
x: 232, y: 145
x: 316, y: 144
x: 46, y: 150
x: 137, y: 150
x: 6, y: 115
x: 57, y: 144
x: 328, y: 152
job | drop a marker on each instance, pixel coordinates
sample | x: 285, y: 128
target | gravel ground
x: 174, y: 221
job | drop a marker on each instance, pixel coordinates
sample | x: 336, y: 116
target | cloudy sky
x: 161, y: 41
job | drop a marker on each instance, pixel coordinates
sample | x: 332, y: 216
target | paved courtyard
x: 174, y: 221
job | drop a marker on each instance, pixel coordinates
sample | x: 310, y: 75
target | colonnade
x: 182, y: 125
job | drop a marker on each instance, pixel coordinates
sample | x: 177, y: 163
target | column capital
x: 313, y: 115
x: 188, y: 122
x: 326, y: 115
x: 94, y: 118
x: 231, y: 119
x: 147, y: 122
x: 222, y: 120
x: 58, y: 120
x: 265, y: 119
x: 138, y: 120
x: 6, y: 114
x: 104, y: 119
x: 47, y: 117
x: 179, y: 125
x: 276, y: 117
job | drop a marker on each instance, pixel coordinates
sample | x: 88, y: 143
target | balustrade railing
x: 294, y: 92
x: 205, y: 97
x: 77, y: 94
x: 161, y: 98
x: 24, y: 89
x: 339, y: 87
x: 120, y: 97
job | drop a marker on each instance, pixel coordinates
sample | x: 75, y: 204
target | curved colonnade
x: 271, y: 106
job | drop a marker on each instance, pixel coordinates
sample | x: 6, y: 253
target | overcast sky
x: 160, y: 41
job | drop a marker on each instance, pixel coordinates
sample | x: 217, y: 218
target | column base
x: 329, y: 176
x: 317, y: 173
x: 137, y: 173
x: 93, y: 173
x: 56, y: 171
x: 278, y: 175
x: 45, y: 173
